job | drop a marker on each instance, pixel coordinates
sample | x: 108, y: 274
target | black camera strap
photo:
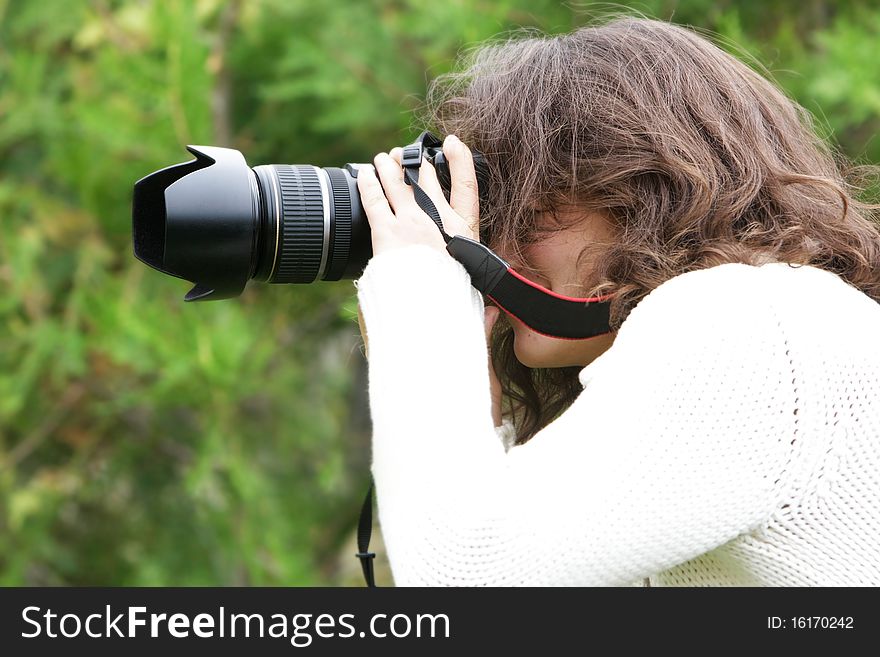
x: 365, y: 530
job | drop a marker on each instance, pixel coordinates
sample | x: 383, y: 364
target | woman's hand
x: 397, y: 221
x: 395, y: 218
x: 407, y: 223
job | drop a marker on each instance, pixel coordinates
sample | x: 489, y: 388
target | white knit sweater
x: 730, y: 436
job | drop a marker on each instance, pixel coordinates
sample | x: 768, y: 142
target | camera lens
x: 311, y: 223
x: 217, y: 222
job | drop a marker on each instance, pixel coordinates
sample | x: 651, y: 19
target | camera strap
x: 365, y: 530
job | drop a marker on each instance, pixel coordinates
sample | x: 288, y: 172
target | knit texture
x: 729, y: 437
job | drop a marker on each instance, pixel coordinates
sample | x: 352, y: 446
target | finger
x: 373, y: 198
x: 453, y: 224
x: 398, y: 192
x: 427, y: 180
x: 464, y: 196
x: 431, y: 185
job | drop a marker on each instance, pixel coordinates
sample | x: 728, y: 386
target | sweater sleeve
x: 677, y: 444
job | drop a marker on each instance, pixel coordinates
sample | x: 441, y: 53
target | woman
x: 727, y: 430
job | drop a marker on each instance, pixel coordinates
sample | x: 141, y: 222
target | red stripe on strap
x: 546, y: 335
x: 558, y: 296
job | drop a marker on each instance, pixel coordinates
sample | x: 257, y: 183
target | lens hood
x: 199, y: 220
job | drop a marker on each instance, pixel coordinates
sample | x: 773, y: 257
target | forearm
x: 429, y: 381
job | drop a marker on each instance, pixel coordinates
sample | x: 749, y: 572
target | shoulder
x: 726, y: 297
x: 738, y: 282
x: 729, y: 312
x: 737, y: 293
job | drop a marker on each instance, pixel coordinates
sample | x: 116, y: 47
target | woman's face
x: 553, y: 263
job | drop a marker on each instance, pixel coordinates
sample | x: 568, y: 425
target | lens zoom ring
x: 302, y: 224
x: 341, y: 229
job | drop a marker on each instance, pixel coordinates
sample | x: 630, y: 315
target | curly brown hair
x: 694, y: 158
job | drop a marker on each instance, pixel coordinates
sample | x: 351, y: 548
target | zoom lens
x: 217, y: 222
x: 312, y: 224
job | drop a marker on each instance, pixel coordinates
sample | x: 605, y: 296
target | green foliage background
x: 148, y: 442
